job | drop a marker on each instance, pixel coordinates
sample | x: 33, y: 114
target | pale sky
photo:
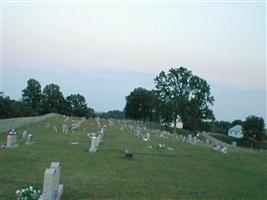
x: 105, y: 50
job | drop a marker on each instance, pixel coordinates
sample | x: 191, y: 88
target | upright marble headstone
x: 93, y: 146
x: 11, y: 141
x: 194, y: 140
x: 29, y: 139
x: 189, y: 139
x: 25, y: 135
x: 233, y: 144
x: 52, y: 190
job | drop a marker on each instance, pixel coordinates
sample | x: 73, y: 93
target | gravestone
x: 29, y: 139
x: 25, y: 135
x: 11, y: 141
x: 224, y: 149
x: 52, y: 190
x: 128, y: 154
x: 98, y: 140
x: 233, y: 144
x: 93, y: 146
x: 194, y: 140
x: 64, y: 128
x: 189, y: 139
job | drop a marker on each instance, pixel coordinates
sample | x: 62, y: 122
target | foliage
x: 32, y: 94
x: 11, y: 108
x: 78, y: 106
x: 140, y: 105
x: 53, y: 99
x: 220, y: 127
x: 114, y: 114
x: 186, y: 95
x: 253, y: 129
x: 237, y: 122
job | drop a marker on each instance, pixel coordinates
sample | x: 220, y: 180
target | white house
x: 236, y: 131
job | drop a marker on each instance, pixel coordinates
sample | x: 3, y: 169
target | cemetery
x: 124, y: 159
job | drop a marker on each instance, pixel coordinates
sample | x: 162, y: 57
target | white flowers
x: 28, y: 193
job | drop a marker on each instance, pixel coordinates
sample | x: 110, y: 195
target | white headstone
x: 29, y: 139
x: 52, y: 190
x: 233, y: 144
x: 25, y: 135
x: 49, y: 188
x: 11, y: 141
x: 93, y: 146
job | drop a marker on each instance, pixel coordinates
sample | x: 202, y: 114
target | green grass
x: 188, y: 172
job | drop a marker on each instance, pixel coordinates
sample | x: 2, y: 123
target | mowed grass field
x: 188, y: 172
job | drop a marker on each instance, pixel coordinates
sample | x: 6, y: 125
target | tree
x: 53, y: 99
x: 187, y: 95
x: 253, y: 129
x: 79, y: 106
x: 140, y: 105
x: 32, y: 94
x: 237, y: 122
x: 114, y: 114
x: 11, y: 108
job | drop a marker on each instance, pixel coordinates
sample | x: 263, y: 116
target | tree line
x: 36, y: 101
x: 179, y: 95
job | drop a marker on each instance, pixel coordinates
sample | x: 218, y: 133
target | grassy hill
x: 187, y: 172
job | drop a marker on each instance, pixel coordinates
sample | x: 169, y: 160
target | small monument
x: 11, y: 139
x: 93, y: 146
x: 29, y: 139
x: 25, y: 135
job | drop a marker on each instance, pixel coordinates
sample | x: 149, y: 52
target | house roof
x: 236, y: 128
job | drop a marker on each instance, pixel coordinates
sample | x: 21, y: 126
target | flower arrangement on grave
x: 30, y: 193
x: 12, y: 132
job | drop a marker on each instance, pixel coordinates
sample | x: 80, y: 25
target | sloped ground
x: 188, y: 172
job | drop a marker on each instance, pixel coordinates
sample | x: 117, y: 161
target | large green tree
x: 187, y: 96
x: 54, y: 100
x: 32, y: 94
x: 11, y: 108
x: 79, y: 106
x: 140, y: 105
x: 253, y: 129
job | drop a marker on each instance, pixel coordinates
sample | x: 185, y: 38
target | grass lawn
x: 188, y: 172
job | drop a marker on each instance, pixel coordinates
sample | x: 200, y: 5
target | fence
x: 7, y: 124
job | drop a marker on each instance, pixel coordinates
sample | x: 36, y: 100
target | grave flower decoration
x: 30, y: 193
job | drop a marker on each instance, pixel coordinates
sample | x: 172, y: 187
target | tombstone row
x: 96, y: 139
x: 12, y: 139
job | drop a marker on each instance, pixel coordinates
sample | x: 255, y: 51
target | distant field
x: 188, y: 172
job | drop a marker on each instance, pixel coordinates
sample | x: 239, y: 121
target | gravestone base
x: 92, y: 150
x: 59, y: 193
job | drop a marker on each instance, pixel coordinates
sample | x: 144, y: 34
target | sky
x: 105, y: 50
